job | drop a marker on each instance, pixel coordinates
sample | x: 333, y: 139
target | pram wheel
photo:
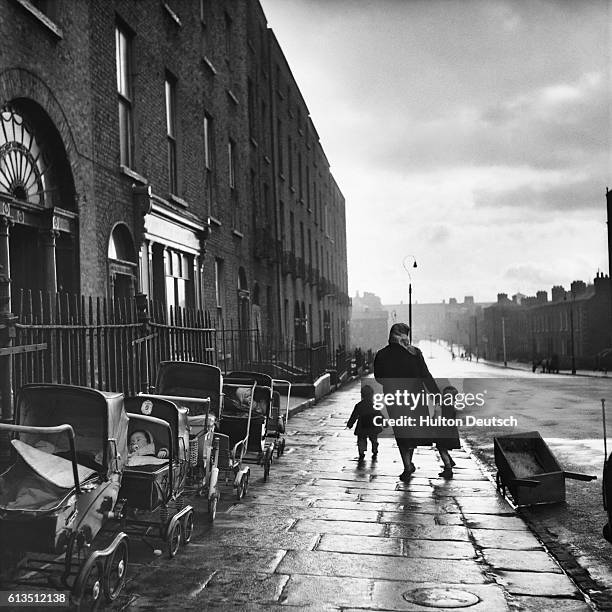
x: 212, y: 506
x: 91, y: 589
x: 115, y: 571
x: 174, y: 539
x: 267, y: 461
x: 188, y: 527
x: 241, y: 489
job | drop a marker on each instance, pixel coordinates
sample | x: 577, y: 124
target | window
x: 251, y: 107
x: 300, y: 186
x: 302, y: 244
x: 231, y: 160
x: 179, y: 279
x: 292, y: 231
x: 281, y: 221
x: 219, y: 282
x: 290, y: 160
x: 279, y: 134
x: 228, y: 37
x: 208, y: 162
x: 123, y: 45
x: 170, y: 90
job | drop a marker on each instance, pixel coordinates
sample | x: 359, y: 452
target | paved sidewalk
x: 324, y: 534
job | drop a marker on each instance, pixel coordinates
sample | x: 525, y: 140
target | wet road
x: 567, y: 412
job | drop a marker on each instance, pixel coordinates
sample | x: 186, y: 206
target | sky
x: 472, y: 136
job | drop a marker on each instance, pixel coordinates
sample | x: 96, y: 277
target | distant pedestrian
x: 364, y: 413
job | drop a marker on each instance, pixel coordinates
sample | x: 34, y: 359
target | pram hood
x: 97, y: 417
x: 37, y: 481
x: 57, y: 470
x: 191, y: 379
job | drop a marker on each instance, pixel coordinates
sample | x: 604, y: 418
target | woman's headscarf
x: 400, y: 334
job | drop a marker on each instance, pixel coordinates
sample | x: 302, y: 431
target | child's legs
x: 445, y: 456
x: 374, y: 443
x: 362, y: 444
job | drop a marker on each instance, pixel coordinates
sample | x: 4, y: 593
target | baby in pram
x: 141, y: 444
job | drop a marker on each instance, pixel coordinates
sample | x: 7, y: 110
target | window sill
x: 214, y: 221
x: 209, y: 65
x: 178, y: 200
x: 172, y: 14
x: 267, y: 160
x: 55, y: 30
x: 281, y: 176
x: 238, y: 234
x: 126, y: 171
x: 309, y: 210
x: 254, y: 142
x: 292, y: 189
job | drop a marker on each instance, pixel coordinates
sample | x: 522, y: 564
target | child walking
x: 364, y: 413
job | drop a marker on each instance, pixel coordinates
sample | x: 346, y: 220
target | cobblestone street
x: 323, y: 533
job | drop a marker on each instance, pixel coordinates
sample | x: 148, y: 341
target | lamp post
x: 504, y: 340
x: 406, y: 267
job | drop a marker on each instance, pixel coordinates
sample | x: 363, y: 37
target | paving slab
x: 484, y: 505
x: 365, y: 545
x: 537, y: 583
x: 538, y: 604
x: 421, y: 518
x: 319, y: 563
x: 493, y: 521
x: 341, y: 527
x: 252, y: 538
x: 418, y: 532
x: 521, y: 560
x: 500, y: 538
x: 437, y: 549
x: 362, y: 594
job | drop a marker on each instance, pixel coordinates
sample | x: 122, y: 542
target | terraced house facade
x: 164, y: 148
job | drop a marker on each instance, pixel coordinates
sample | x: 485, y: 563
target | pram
x: 198, y: 388
x: 276, y: 416
x: 242, y: 391
x: 154, y: 475
x: 69, y: 446
x: 235, y: 434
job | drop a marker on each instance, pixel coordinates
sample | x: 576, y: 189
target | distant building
x: 369, y: 326
x: 575, y: 322
x: 456, y: 323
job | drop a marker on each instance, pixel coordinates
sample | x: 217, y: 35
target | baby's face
x: 138, y: 439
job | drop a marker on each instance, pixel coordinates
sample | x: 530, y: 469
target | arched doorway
x: 37, y: 202
x: 122, y: 265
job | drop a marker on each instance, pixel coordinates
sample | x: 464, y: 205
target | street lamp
x: 406, y: 267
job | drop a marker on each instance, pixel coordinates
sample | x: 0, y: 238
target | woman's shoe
x: 447, y: 472
x: 406, y: 474
x: 452, y: 463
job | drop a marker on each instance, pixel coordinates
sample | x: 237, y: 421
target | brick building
x: 164, y: 148
x: 573, y: 322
